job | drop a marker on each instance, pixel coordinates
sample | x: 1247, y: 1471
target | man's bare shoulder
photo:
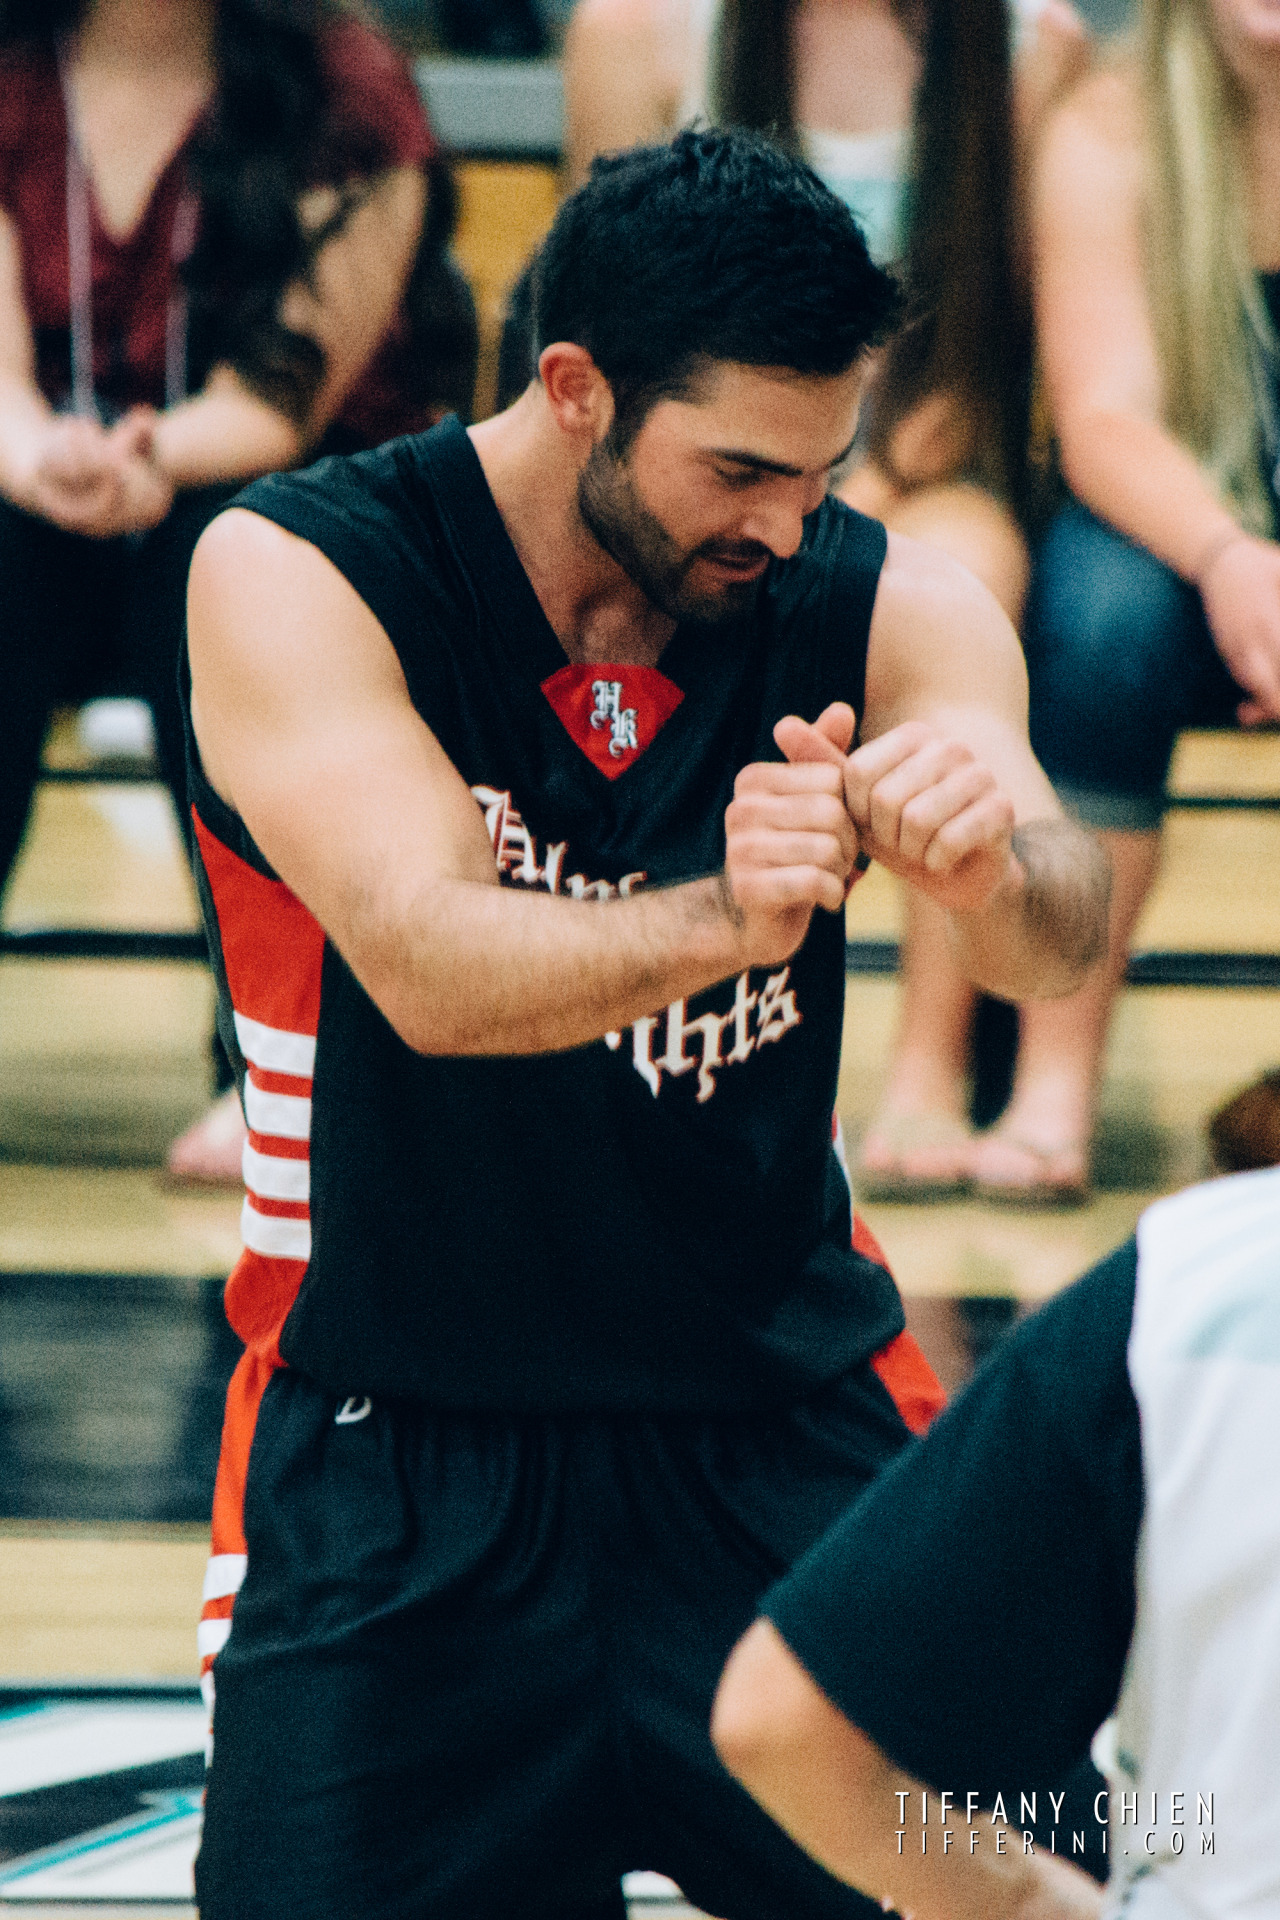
x: 282, y: 649
x: 921, y: 584
x: 239, y: 538
x: 264, y: 598
x: 937, y: 635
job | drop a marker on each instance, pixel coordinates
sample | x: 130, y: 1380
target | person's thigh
x: 1119, y: 658
x: 409, y: 1716
x: 154, y: 621
x: 707, y: 1516
x: 58, y: 592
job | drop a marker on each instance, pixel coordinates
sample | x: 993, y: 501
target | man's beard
x: 617, y: 518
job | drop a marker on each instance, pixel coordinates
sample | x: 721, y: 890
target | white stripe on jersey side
x: 272, y: 1178
x: 837, y: 1141
x: 274, y: 1049
x: 276, y: 1238
x: 223, y: 1575
x: 212, y: 1637
x: 283, y: 1114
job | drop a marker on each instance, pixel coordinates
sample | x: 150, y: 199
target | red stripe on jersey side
x: 280, y: 1209
x: 277, y: 1148
x: 272, y: 953
x: 865, y: 1242
x: 913, y: 1385
x: 271, y: 946
x: 244, y: 1397
x: 259, y: 1297
x: 296, y: 1084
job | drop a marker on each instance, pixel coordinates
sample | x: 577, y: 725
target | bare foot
x: 1019, y: 1169
x: 914, y: 1156
x: 209, y: 1153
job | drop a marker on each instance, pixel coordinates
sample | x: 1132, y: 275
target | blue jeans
x: 1120, y: 658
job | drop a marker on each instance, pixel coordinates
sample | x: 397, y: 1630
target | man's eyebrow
x: 757, y: 461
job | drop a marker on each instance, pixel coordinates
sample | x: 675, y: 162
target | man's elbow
x: 820, y: 1777
x: 747, y: 1736
x: 762, y: 1720
x: 429, y: 1029
x: 1066, y: 905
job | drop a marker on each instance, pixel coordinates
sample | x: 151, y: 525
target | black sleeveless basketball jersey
x: 655, y: 1221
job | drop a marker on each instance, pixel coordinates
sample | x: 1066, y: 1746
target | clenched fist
x: 924, y: 806
x: 790, y: 845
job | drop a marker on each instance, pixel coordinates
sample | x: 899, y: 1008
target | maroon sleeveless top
x: 370, y: 87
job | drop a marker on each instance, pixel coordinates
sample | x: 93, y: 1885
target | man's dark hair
x: 718, y: 247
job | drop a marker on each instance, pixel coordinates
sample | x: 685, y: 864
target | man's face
x: 716, y: 485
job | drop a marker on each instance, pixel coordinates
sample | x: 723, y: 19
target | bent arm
x: 306, y: 729
x: 26, y: 417
x: 1026, y: 890
x: 226, y: 432
x: 829, y: 1786
x: 1097, y: 340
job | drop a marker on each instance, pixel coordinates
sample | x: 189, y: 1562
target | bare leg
x: 209, y: 1153
x: 1040, y: 1147
x: 919, y: 1137
x: 920, y: 1134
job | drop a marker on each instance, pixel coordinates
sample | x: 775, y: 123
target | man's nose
x: 778, y: 522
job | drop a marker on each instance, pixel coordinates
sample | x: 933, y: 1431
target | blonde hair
x: 1213, y: 332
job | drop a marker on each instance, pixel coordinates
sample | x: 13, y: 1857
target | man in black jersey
x: 520, y: 763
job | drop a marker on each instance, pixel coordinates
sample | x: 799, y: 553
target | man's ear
x: 578, y: 394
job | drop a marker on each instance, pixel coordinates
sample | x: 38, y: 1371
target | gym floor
x: 113, y: 1352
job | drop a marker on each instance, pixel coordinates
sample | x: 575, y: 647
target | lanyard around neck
x: 84, y: 400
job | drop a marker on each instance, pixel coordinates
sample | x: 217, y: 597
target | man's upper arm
x: 942, y: 651
x: 306, y: 730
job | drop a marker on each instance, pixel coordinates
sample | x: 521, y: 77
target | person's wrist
x: 1212, y: 552
x: 157, y: 485
x: 1005, y: 891
x: 161, y: 451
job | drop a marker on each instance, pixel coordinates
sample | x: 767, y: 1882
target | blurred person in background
x: 1156, y: 599
x: 918, y: 117
x: 223, y: 232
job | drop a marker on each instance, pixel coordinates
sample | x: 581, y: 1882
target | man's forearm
x: 980, y: 1877
x: 1042, y: 930
x: 839, y: 1795
x: 480, y: 969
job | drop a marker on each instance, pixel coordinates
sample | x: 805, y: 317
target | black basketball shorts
x: 471, y: 1664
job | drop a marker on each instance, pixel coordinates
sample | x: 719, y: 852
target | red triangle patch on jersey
x: 612, y: 713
